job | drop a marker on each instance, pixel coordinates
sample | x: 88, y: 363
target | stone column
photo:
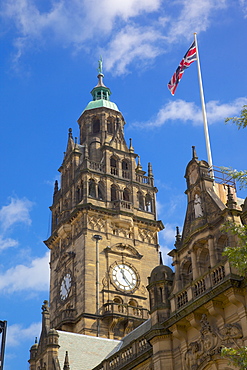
x: 212, y: 255
x: 194, y: 264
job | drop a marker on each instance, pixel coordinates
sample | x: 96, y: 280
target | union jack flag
x: 189, y: 58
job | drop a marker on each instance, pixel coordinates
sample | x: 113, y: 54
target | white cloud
x: 243, y: 4
x: 34, y: 277
x: 195, y: 16
x: 16, y: 334
x: 86, y: 24
x: 180, y: 110
x: 132, y: 44
x: 7, y: 243
x: 17, y: 211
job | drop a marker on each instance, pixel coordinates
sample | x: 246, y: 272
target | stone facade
x: 104, y: 247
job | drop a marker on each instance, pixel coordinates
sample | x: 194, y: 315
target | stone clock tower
x: 104, y: 229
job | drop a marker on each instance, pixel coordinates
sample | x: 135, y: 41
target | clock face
x: 124, y: 277
x: 65, y: 286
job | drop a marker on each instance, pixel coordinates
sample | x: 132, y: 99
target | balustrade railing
x: 144, y: 179
x: 124, y: 309
x: 96, y: 166
x: 218, y: 274
x: 125, y: 355
x: 199, y: 287
x: 122, y: 204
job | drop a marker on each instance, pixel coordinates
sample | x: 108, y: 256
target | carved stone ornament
x: 210, y: 342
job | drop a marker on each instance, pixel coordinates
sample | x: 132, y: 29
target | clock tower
x: 103, y: 242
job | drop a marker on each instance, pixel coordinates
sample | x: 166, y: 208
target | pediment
x: 122, y: 249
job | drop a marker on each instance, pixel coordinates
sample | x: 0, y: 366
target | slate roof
x: 85, y: 352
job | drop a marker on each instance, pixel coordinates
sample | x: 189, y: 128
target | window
x: 113, y: 164
x: 113, y: 193
x: 125, y: 169
x: 140, y: 201
x: 92, y: 188
x: 101, y: 191
x: 96, y: 125
x: 148, y: 203
x: 110, y: 125
x: 126, y: 195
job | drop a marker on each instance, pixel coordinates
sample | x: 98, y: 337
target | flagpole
x: 205, y: 122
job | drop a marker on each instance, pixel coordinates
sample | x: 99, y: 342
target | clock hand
x: 124, y: 277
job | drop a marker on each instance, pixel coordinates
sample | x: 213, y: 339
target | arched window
x: 96, y: 125
x: 114, y: 194
x: 113, y: 164
x: 133, y: 305
x: 79, y: 193
x: 186, y: 273
x: 204, y: 261
x: 125, y: 169
x: 126, y: 195
x: 92, y: 188
x: 140, y: 201
x: 148, y: 203
x: 101, y: 191
x: 110, y: 125
x: 119, y: 302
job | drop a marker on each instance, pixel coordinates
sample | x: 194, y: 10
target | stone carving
x: 96, y: 223
x: 198, y: 206
x: 210, y: 342
x: 147, y: 236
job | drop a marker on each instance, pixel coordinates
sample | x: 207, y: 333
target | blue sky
x: 48, y: 66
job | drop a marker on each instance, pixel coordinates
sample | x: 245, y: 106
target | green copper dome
x: 101, y: 94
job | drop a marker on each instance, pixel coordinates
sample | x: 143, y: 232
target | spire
x: 66, y: 362
x: 100, y: 91
x: 139, y: 166
x: 131, y: 149
x: 194, y: 155
x: 178, y: 238
x: 161, y: 259
x: 150, y: 170
x: 55, y: 187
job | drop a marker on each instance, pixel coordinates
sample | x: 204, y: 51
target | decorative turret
x: 101, y: 93
x: 159, y: 287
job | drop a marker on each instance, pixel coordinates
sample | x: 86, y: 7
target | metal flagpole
x: 205, y: 122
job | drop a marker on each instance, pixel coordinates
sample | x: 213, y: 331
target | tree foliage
x: 237, y: 357
x: 239, y: 176
x: 240, y: 121
x: 237, y: 255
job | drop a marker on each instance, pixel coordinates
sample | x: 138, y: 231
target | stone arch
x: 133, y: 306
x: 221, y: 244
x: 186, y: 272
x: 119, y: 304
x: 203, y: 260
